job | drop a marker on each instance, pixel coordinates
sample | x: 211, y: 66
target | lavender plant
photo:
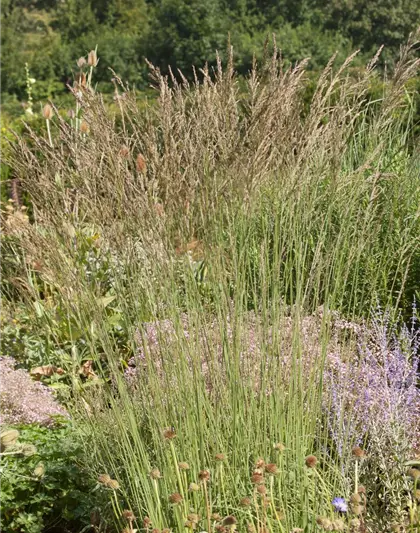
x: 373, y: 400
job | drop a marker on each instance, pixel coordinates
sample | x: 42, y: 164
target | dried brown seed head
x: 92, y: 59
x: 183, y: 466
x: 245, y: 502
x: 128, y: 515
x: 140, y: 164
x: 271, y: 469
x: 261, y: 489
x: 259, y: 463
x: 358, y: 453
x: 311, y: 461
x: 229, y: 521
x: 84, y: 127
x: 155, y: 473
x: 216, y: 517
x: 414, y: 473
x: 113, y: 484
x: 204, y: 475
x: 169, y: 433
x: 175, y: 498
x: 355, y: 498
x: 81, y: 62
x: 220, y: 457
x: 47, y: 112
x: 279, y: 447
x: 257, y: 478
x: 104, y: 479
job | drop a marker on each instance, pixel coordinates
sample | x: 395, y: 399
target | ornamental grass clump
x: 228, y: 252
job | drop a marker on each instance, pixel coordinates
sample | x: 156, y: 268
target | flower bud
x: 47, y: 112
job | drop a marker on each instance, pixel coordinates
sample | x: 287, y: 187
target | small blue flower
x: 340, y: 505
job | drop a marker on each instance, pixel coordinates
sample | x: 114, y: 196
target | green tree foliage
x: 50, y: 36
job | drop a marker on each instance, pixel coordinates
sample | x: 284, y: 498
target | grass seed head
x: 183, y: 466
x: 220, y: 457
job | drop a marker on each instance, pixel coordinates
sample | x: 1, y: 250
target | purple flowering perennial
x: 24, y: 401
x: 340, y: 505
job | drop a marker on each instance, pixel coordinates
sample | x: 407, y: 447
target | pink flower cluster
x: 24, y: 401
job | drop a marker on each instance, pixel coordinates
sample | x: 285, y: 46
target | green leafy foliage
x: 47, y: 489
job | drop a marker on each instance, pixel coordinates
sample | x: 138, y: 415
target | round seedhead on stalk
x: 311, y: 461
x: 48, y: 114
x: 183, y: 466
x: 155, y: 473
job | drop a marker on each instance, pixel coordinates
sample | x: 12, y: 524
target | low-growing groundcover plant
x: 43, y: 486
x: 230, y: 216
